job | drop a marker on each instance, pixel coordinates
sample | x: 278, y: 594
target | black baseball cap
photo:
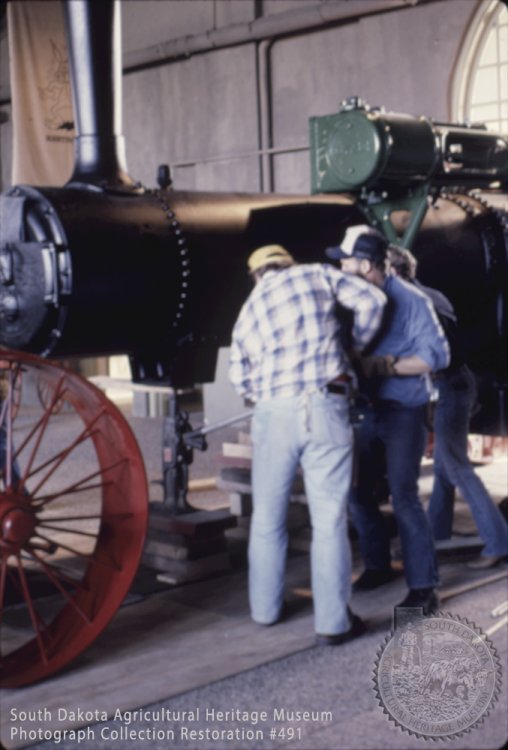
x: 360, y: 241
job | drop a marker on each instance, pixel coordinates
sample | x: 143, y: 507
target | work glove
x: 377, y: 366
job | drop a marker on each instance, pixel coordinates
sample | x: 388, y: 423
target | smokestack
x: 94, y: 39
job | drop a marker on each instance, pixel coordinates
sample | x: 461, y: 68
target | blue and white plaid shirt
x: 288, y: 336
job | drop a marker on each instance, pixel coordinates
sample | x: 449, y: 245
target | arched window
x: 480, y: 82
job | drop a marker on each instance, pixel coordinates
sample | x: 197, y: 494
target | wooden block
x: 300, y: 540
x: 237, y: 450
x: 232, y: 462
x: 160, y: 524
x: 241, y: 476
x: 240, y: 503
x: 235, y: 479
x: 192, y: 549
x: 240, y: 533
x: 244, y: 438
x: 298, y: 516
x: 243, y: 522
x: 298, y: 498
x: 181, y: 571
x: 202, y: 523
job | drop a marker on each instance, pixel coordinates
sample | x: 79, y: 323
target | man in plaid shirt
x: 288, y: 356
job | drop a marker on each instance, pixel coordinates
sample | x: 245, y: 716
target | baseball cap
x: 360, y: 241
x: 269, y: 255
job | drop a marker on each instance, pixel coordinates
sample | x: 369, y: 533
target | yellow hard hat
x: 269, y: 255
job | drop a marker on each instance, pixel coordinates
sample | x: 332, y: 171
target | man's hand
x: 377, y: 366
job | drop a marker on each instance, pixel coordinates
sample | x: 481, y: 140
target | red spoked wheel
x: 73, y: 516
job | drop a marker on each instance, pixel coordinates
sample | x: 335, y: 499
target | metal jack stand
x: 183, y: 543
x: 179, y: 441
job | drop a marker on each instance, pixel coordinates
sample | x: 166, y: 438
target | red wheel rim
x: 73, y: 516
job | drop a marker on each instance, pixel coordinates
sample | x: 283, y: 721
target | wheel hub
x: 17, y: 524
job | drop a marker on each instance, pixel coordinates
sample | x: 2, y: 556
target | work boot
x: 372, y: 578
x: 357, y: 628
x: 426, y: 599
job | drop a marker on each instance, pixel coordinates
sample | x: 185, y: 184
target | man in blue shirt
x: 452, y: 468
x: 408, y: 347
x: 287, y: 357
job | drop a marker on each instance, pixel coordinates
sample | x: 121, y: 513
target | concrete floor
x: 194, y: 646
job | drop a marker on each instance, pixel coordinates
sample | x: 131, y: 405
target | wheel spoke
x: 105, y: 517
x: 40, y: 426
x: 73, y: 489
x: 83, y: 555
x: 54, y: 580
x: 98, y: 473
x: 59, y: 457
x: 62, y: 455
x: 65, y: 529
x: 34, y: 615
x: 96, y: 517
x: 77, y: 584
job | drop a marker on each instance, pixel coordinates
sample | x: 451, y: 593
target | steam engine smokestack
x: 94, y: 37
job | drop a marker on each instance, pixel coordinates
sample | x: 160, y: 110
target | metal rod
x: 471, y: 585
x: 239, y: 155
x: 497, y: 626
x: 224, y: 423
x: 500, y: 609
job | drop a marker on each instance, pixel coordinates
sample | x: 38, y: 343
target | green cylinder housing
x: 359, y: 147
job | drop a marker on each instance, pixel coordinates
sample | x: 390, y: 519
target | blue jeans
x: 15, y: 472
x: 452, y: 468
x: 312, y: 430
x: 401, y: 432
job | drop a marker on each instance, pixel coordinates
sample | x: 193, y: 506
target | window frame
x: 479, y: 29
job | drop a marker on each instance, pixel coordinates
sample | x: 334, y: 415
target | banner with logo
x: 42, y: 112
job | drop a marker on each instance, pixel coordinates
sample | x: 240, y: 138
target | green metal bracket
x: 378, y: 210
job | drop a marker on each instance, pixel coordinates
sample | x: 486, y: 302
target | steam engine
x: 104, y: 265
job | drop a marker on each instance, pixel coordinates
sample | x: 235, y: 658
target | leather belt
x: 340, y: 384
x: 340, y: 388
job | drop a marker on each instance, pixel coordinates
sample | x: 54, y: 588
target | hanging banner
x: 42, y: 112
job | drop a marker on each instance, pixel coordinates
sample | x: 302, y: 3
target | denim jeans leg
x: 274, y: 463
x: 403, y: 432
x: 15, y: 472
x: 442, y: 498
x: 368, y: 520
x: 452, y: 426
x: 327, y: 465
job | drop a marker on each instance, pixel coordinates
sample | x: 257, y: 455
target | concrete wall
x: 207, y: 106
x: 203, y: 113
x: 191, y: 111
